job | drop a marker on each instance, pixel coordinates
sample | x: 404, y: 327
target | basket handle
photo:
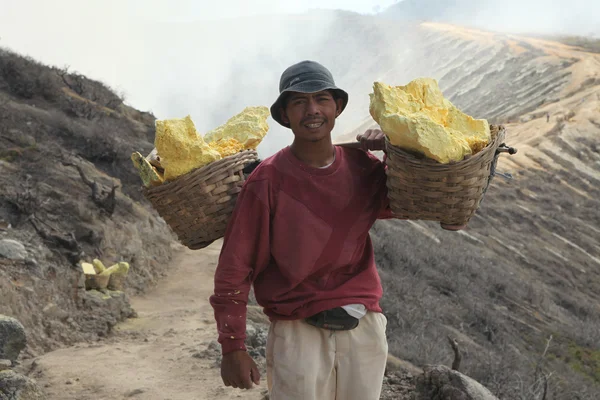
x: 503, y: 148
x: 350, y: 145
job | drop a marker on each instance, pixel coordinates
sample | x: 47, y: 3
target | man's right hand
x: 239, y: 370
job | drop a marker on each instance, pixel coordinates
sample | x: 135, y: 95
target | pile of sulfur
x: 416, y: 117
x: 180, y: 149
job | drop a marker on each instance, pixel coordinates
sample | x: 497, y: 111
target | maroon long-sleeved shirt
x: 300, y: 235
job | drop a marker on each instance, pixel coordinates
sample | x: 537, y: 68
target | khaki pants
x: 309, y: 363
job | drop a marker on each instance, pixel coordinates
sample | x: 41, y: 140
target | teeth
x: 315, y: 125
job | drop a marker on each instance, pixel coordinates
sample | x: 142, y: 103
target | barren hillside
x: 527, y: 269
x: 57, y: 129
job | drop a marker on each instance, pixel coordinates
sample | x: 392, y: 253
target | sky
x: 190, y: 10
x: 180, y: 57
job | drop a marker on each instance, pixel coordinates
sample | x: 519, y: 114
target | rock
x: 397, y: 386
x: 104, y: 310
x: 12, y: 249
x: 12, y: 338
x: 256, y: 335
x: 53, y: 311
x: 14, y: 386
x: 5, y: 364
x: 442, y: 383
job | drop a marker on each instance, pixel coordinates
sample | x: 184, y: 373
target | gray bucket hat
x: 305, y: 77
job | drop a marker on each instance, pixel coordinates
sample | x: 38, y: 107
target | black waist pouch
x: 336, y: 319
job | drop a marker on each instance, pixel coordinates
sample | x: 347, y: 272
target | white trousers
x: 309, y: 363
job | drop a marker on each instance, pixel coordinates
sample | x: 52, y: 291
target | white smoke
x: 558, y: 17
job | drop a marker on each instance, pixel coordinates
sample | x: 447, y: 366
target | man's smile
x: 314, y: 124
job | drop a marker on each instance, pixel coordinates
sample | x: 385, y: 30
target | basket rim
x: 434, y: 163
x: 230, y: 161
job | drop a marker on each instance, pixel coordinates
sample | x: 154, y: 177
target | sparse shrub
x: 27, y: 78
x: 95, y: 91
x: 17, y: 81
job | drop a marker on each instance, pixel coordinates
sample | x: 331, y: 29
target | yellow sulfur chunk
x: 98, y: 266
x: 118, y: 273
x: 150, y: 176
x: 88, y: 268
x: 248, y: 127
x: 120, y: 268
x: 417, y: 117
x: 227, y: 147
x: 181, y: 148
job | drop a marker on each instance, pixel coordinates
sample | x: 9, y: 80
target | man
x: 300, y: 235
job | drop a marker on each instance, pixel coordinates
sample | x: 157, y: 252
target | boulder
x: 12, y: 338
x: 14, y: 386
x: 442, y: 383
x: 12, y: 249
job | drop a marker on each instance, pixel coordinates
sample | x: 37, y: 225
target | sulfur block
x: 181, y: 148
x: 248, y: 127
x: 417, y: 117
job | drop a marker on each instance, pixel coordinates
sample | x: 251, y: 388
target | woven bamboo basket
x: 424, y: 189
x: 116, y: 281
x: 97, y: 282
x: 197, y: 205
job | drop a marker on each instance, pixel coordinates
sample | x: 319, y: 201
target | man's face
x: 311, y: 116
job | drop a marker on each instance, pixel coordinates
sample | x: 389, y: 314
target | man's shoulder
x: 362, y: 158
x: 266, y: 169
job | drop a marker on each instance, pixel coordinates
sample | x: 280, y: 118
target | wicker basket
x: 116, y: 281
x: 96, y: 282
x: 423, y: 189
x: 197, y: 205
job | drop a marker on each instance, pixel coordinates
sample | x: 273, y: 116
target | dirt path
x: 155, y: 356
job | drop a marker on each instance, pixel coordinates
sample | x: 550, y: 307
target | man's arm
x: 244, y: 254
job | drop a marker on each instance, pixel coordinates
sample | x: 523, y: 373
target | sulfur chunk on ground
x: 120, y: 268
x: 150, y: 176
x: 248, y: 127
x: 98, y: 266
x: 88, y: 268
x: 417, y: 117
x: 181, y: 148
x: 227, y: 147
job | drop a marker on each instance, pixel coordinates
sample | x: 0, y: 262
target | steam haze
x: 572, y: 17
x: 190, y: 58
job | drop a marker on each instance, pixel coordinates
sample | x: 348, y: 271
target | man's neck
x: 315, y: 154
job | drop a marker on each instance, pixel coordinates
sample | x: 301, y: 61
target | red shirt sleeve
x: 244, y: 254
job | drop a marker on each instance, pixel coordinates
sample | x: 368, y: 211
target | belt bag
x: 336, y: 319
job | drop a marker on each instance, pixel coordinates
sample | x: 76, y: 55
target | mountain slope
x: 56, y: 127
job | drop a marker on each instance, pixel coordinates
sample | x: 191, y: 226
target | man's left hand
x: 372, y: 139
